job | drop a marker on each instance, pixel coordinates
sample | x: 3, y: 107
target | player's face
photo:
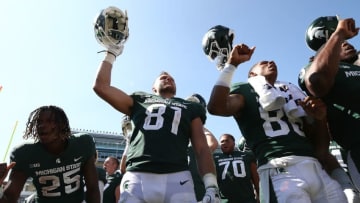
x: 109, y: 166
x: 164, y: 84
x: 348, y: 52
x: 227, y: 144
x: 47, y: 128
x: 268, y: 69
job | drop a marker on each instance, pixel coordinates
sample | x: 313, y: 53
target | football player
x: 55, y: 162
x: 113, y: 179
x: 212, y: 143
x: 272, y: 116
x: 236, y: 173
x: 157, y: 166
x: 333, y: 75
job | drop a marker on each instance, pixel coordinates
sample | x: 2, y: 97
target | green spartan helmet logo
x: 320, y: 31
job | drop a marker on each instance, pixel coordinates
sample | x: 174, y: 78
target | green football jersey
x: 343, y: 104
x: 109, y: 189
x: 57, y: 179
x: 162, y: 129
x: 269, y: 134
x: 234, y: 176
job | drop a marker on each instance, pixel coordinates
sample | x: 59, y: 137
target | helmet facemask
x: 219, y: 55
x: 111, y: 27
x: 217, y: 44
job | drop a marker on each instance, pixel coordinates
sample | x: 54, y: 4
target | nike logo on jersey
x: 77, y: 159
x: 183, y: 182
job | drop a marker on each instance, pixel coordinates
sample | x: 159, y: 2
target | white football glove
x: 211, y: 195
x: 115, y: 50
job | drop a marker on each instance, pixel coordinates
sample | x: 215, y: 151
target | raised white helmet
x: 111, y: 27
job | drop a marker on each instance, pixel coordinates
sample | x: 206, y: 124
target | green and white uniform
x: 343, y: 110
x: 343, y: 102
x: 157, y: 167
x: 162, y: 129
x: 112, y: 181
x: 234, y: 177
x: 57, y: 179
x: 269, y: 134
x: 285, y: 156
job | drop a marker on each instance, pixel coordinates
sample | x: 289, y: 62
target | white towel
x: 293, y: 95
x: 270, y: 98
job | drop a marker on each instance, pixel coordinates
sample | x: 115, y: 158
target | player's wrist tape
x: 210, y: 180
x: 110, y: 58
x: 226, y: 75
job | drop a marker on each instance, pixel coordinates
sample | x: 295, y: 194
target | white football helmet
x: 111, y: 27
x: 126, y: 126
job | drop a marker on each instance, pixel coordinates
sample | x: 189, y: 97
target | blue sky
x: 49, y: 52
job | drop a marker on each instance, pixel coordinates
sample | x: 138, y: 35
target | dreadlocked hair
x: 57, y: 114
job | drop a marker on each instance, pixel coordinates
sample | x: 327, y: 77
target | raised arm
x: 111, y: 31
x: 211, y: 140
x: 221, y: 102
x: 103, y: 88
x: 319, y: 79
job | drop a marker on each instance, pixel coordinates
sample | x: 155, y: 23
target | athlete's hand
x: 4, y: 170
x: 211, y: 195
x: 347, y: 27
x: 116, y: 50
x: 314, y: 107
x: 240, y: 54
